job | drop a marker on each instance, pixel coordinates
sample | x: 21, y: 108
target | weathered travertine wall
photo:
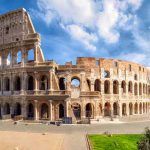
x: 34, y: 88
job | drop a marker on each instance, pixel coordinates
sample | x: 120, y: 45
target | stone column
x: 127, y: 109
x: 23, y: 57
x: 67, y: 108
x: 102, y: 87
x: 36, y: 53
x: 120, y: 109
x: 23, y: 83
x: 51, y: 110
x: 36, y: 114
x: 24, y: 110
x: 36, y: 82
x: 51, y: 80
x: 92, y: 85
x: 82, y: 81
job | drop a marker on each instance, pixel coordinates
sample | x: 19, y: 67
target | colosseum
x: 32, y: 88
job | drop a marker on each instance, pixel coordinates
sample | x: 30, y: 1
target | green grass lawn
x: 115, y: 142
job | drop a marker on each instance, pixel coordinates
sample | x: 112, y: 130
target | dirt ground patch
x: 29, y: 141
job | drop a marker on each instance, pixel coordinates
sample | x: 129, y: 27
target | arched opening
x: 106, y: 74
x: 17, y: 84
x: 143, y: 88
x: 140, y: 89
x: 19, y: 57
x: 30, y: 83
x: 107, y: 109
x: 124, y: 113
x: 97, y: 85
x: 76, y: 108
x: 130, y: 109
x: 123, y: 86
x: 140, y: 108
x: 107, y: 87
x: 143, y: 107
x: 17, y: 110
x: 89, y: 110
x: 6, y: 109
x: 115, y: 87
x: 30, y: 111
x: 115, y: 109
x: 135, y: 89
x: 61, y: 111
x: 135, y: 77
x: 135, y: 108
x: 44, y: 83
x: 7, y: 84
x: 44, y: 111
x: 75, y: 82
x: 89, y: 84
x: 62, y: 83
x: 130, y: 87
x: 8, y: 59
x: 31, y: 55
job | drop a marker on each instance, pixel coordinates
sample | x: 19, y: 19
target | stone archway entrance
x: 61, y: 111
x: 17, y: 110
x: 89, y: 110
x: 124, y: 109
x: 6, y: 109
x: 107, y: 109
x: 30, y: 111
x: 115, y: 109
x: 76, y: 109
x: 44, y: 111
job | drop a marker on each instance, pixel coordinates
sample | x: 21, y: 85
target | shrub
x: 144, y: 143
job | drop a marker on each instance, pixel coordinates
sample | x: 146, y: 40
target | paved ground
x: 73, y: 136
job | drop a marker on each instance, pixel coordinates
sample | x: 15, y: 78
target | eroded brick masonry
x: 38, y: 89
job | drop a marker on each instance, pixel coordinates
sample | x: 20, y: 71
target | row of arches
x: 89, y: 110
x: 137, y: 88
x: 136, y: 108
x: 17, y: 57
x: 43, y: 83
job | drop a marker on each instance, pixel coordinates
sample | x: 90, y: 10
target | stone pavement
x: 73, y: 136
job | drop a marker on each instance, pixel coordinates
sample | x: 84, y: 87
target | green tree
x: 144, y: 143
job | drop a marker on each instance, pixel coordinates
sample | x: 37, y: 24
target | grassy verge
x: 114, y: 142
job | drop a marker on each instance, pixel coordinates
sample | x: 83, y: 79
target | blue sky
x: 90, y: 28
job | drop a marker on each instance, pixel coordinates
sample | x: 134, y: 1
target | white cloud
x: 79, y: 33
x: 104, y: 18
x: 134, y: 57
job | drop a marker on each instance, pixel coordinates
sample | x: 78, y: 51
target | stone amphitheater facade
x: 36, y: 89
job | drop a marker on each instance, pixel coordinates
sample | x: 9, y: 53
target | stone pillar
x: 102, y: 87
x: 11, y: 83
x: 24, y: 110
x: 120, y: 109
x: 111, y: 87
x: 68, y: 82
x: 67, y: 108
x: 127, y: 109
x: 23, y: 82
x: 51, y: 110
x: 51, y: 80
x: 36, y: 114
x: 36, y: 82
x: 92, y: 85
x: 35, y: 53
x: 82, y: 81
x: 23, y: 57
